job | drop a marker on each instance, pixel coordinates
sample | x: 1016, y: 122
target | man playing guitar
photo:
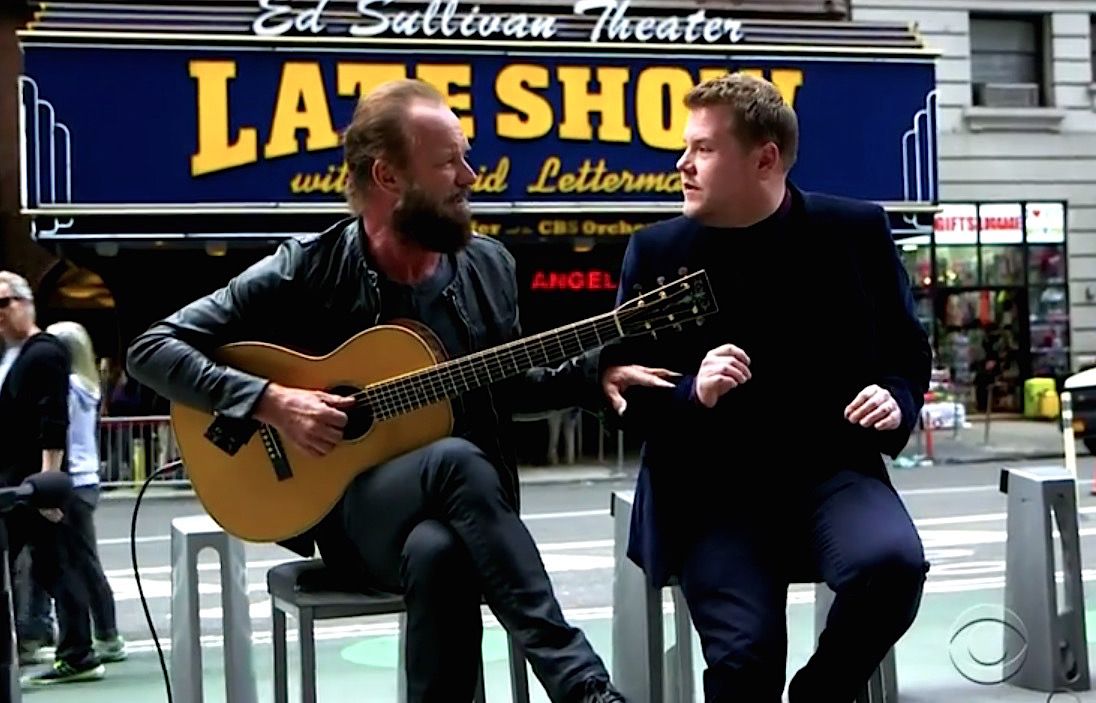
x: 439, y: 524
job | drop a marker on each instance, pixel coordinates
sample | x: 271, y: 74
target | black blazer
x: 847, y: 320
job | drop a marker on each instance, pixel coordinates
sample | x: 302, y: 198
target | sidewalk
x: 1009, y: 439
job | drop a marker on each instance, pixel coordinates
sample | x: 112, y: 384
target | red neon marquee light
x: 574, y: 280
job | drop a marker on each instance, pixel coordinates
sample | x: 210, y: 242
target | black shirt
x: 426, y: 302
x: 771, y: 281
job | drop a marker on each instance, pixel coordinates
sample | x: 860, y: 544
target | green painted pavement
x: 362, y: 670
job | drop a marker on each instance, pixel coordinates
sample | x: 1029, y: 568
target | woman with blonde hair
x: 83, y: 460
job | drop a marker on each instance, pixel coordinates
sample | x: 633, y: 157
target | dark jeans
x: 853, y: 532
x: 435, y: 525
x: 53, y: 550
x: 80, y: 518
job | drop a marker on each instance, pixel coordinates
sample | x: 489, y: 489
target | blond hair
x: 760, y: 113
x: 378, y: 130
x: 81, y: 352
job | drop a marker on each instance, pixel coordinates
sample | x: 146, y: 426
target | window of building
x: 1008, y: 61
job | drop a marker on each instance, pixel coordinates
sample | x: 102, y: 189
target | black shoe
x: 600, y: 691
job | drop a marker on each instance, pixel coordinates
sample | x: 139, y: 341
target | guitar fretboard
x: 404, y: 394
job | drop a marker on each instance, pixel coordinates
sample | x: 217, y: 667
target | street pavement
x: 958, y: 509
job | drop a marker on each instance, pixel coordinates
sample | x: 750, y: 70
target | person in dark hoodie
x: 34, y: 388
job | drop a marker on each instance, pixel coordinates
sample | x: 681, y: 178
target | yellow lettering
x: 596, y: 178
x: 334, y: 181
x: 361, y: 78
x: 549, y: 169
x: 216, y: 149
x: 787, y: 81
x: 495, y: 181
x: 533, y: 116
x: 579, y: 102
x: 491, y: 229
x: 301, y: 104
x: 653, y: 130
x: 444, y: 75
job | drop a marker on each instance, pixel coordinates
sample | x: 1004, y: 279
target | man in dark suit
x: 763, y: 465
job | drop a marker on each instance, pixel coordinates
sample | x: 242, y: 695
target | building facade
x: 1007, y: 281
x: 167, y: 146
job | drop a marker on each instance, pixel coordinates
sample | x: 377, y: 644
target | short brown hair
x: 378, y: 130
x: 760, y: 112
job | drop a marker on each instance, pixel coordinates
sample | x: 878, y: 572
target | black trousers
x: 53, y: 551
x: 435, y: 525
x: 85, y: 564
x: 853, y: 532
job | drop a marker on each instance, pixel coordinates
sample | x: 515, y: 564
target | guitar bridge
x: 229, y: 434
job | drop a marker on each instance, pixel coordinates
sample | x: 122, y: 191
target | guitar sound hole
x: 359, y: 418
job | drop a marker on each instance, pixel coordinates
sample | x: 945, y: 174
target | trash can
x: 1041, y: 398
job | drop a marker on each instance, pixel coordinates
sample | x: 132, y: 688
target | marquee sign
x: 612, y: 21
x: 192, y: 128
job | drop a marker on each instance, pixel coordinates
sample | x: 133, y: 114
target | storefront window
x: 1049, y: 330
x: 1046, y: 265
x: 922, y: 300
x: 916, y: 255
x: 957, y: 266
x: 1045, y: 223
x: 1003, y: 265
x: 1000, y: 307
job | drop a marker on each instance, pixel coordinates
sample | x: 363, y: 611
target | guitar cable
x: 137, y: 574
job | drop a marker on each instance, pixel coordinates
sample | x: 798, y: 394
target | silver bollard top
x: 1034, y: 474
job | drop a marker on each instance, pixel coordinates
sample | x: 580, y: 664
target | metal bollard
x: 1056, y: 656
x: 189, y: 536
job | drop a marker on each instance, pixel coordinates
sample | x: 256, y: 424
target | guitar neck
x: 451, y: 378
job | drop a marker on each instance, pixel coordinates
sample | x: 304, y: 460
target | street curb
x: 158, y: 493
x: 952, y: 461
x: 153, y: 493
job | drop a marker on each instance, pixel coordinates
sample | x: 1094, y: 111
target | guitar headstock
x: 689, y: 299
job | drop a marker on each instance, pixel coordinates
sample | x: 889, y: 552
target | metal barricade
x: 131, y: 448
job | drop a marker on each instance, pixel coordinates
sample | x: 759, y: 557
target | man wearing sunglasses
x: 34, y: 387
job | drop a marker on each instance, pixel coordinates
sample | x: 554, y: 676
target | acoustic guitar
x: 263, y: 489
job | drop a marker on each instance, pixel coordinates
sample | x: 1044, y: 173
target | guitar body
x: 244, y: 493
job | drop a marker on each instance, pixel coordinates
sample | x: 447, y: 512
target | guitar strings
x: 396, y: 394
x: 392, y: 396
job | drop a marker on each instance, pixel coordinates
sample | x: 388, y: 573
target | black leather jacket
x: 311, y: 295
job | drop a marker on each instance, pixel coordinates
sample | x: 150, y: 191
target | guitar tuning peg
x: 699, y: 321
x: 682, y: 271
x: 637, y: 288
x: 661, y: 280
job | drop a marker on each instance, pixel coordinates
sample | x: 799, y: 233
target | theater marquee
x: 575, y: 120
